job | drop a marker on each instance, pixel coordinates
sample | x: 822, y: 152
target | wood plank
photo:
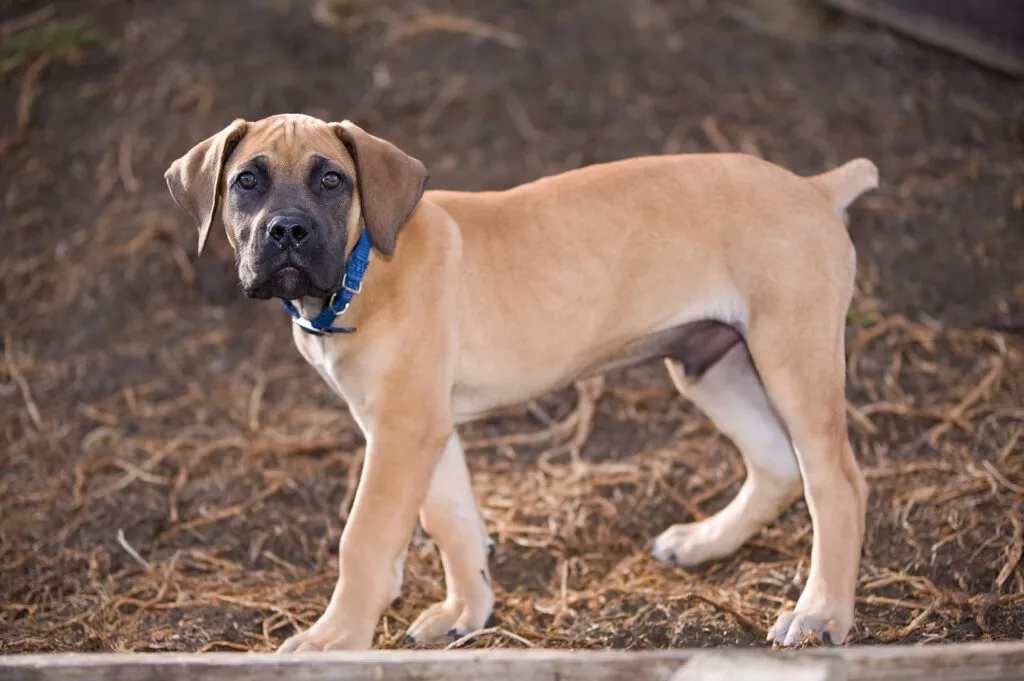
x: 946, y: 662
x: 983, y: 661
x: 403, y: 665
x: 1002, y: 52
x: 712, y: 666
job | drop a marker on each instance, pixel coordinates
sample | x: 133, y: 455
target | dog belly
x: 698, y: 345
x: 480, y: 400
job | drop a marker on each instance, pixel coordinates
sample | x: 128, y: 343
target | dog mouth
x: 289, y: 281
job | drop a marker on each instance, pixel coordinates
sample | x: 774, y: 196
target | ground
x: 175, y: 478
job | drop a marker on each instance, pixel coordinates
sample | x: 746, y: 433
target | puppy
x: 423, y: 311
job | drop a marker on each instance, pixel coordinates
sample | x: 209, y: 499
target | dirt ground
x: 172, y: 472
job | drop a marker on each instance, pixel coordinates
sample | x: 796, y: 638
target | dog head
x: 294, y: 192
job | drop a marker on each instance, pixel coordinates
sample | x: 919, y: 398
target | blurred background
x: 172, y: 473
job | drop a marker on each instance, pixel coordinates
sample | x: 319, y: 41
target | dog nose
x: 289, y: 230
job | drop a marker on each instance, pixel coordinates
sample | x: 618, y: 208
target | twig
x: 124, y: 164
x: 1013, y: 552
x: 217, y: 516
x: 27, y: 93
x: 1004, y: 453
x: 916, y: 623
x: 865, y: 337
x: 724, y: 607
x: 589, y: 392
x: 451, y: 91
x: 862, y: 421
x: 893, y: 602
x: 517, y: 112
x: 1000, y: 478
x: 188, y: 272
x: 230, y: 645
x: 19, y: 379
x: 709, y: 494
x: 718, y: 140
x: 440, y: 21
x: 967, y: 402
x: 123, y: 541
x: 255, y: 398
x: 558, y: 430
x: 458, y: 643
x: 539, y: 413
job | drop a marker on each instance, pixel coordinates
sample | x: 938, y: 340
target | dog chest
x: 315, y: 351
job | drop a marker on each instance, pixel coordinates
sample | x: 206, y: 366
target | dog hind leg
x: 804, y: 370
x: 730, y: 393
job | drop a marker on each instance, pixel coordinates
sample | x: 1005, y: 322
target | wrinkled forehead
x: 289, y: 145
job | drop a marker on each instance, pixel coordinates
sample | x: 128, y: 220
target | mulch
x: 174, y: 477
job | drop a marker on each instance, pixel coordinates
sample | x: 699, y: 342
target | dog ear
x: 390, y: 183
x: 194, y: 179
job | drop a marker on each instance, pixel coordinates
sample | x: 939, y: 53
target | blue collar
x: 351, y: 284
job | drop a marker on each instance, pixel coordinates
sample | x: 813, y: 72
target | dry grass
x: 175, y: 478
x: 240, y: 549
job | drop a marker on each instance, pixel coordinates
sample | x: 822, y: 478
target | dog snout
x: 289, y: 230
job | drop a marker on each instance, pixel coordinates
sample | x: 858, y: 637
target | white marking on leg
x: 731, y: 394
x: 450, y: 515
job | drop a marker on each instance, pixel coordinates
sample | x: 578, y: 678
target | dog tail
x: 844, y: 184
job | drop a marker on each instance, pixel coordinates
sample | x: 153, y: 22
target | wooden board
x: 947, y: 662
x: 989, y: 32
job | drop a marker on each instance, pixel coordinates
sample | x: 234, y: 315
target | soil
x: 174, y: 477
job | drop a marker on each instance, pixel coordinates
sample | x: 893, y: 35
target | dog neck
x: 309, y: 307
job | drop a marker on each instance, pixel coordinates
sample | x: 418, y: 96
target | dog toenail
x: 491, y: 622
x: 827, y: 638
x: 454, y: 633
x: 408, y: 640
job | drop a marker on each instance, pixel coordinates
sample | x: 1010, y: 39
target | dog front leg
x: 450, y: 515
x: 402, y: 452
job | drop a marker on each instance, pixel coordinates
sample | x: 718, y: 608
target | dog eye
x: 331, y: 181
x: 246, y: 181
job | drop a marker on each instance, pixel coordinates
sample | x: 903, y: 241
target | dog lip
x: 287, y: 275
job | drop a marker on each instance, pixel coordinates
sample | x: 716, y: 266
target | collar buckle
x: 346, y: 287
x: 345, y: 302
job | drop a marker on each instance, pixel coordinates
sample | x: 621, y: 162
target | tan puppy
x: 718, y: 263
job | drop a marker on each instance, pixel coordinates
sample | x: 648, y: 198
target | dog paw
x: 796, y: 628
x: 448, y: 620
x: 320, y: 639
x: 690, y: 544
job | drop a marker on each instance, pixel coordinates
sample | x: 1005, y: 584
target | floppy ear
x: 194, y: 179
x: 390, y: 183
